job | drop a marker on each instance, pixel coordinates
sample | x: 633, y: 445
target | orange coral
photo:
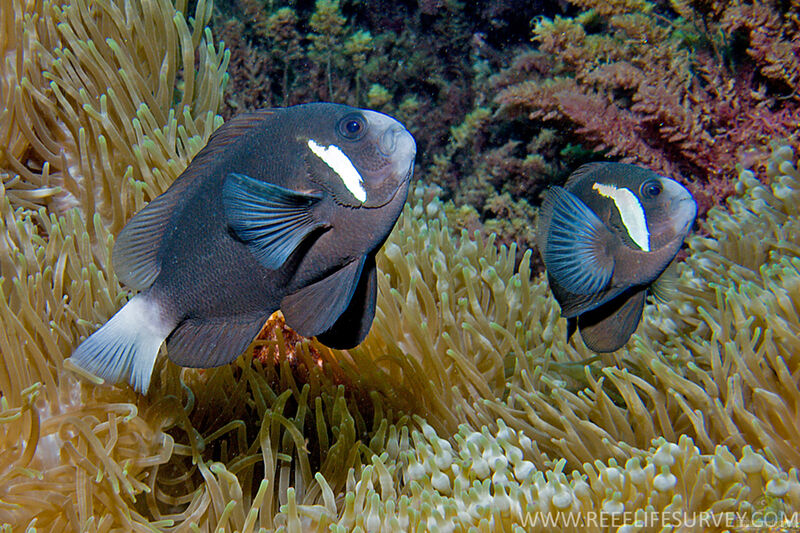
x: 276, y: 333
x: 277, y: 342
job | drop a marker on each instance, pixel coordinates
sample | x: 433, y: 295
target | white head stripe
x: 341, y: 164
x: 630, y: 211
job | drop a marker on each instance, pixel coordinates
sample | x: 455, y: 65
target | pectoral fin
x: 270, y: 219
x: 314, y: 309
x: 575, y: 252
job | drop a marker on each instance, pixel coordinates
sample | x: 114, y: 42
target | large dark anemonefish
x: 605, y: 237
x: 283, y: 208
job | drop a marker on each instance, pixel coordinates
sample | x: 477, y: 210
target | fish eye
x: 651, y: 189
x: 352, y: 127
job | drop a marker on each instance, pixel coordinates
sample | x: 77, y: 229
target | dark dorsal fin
x: 353, y: 325
x: 136, y: 251
x: 582, y: 171
x: 315, y: 308
x: 215, y: 341
x: 232, y: 131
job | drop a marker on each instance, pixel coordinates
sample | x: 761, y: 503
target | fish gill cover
x: 464, y: 406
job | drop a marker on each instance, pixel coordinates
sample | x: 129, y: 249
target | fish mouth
x: 397, y: 149
x: 404, y: 148
x: 410, y: 172
x: 404, y: 181
x: 685, y: 210
x: 399, y: 145
x: 682, y: 207
x: 404, y: 153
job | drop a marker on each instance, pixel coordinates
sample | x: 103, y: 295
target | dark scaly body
x: 282, y: 209
x: 605, y: 237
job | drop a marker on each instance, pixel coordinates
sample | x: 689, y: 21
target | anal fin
x: 215, y: 341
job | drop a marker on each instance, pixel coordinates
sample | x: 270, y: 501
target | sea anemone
x: 464, y: 407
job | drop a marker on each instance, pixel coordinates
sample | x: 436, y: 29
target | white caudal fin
x: 125, y: 348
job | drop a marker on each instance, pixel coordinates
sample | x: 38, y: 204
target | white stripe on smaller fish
x: 630, y: 211
x: 336, y: 159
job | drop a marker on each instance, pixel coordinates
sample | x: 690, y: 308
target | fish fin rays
x: 574, y: 304
x: 135, y: 257
x: 270, y: 219
x: 314, y: 309
x: 125, y: 347
x: 211, y: 342
x: 575, y: 254
x: 665, y: 286
x: 583, y: 171
x: 608, y: 327
x: 235, y: 130
x: 663, y: 289
x: 354, y: 323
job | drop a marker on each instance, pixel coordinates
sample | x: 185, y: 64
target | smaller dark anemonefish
x: 283, y: 208
x: 605, y: 237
